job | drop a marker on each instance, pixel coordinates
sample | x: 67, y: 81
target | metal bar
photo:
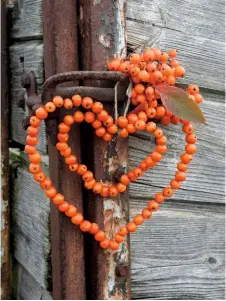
x: 67, y: 244
x: 102, y: 28
x: 5, y: 227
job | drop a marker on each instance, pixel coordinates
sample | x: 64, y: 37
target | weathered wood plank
x: 25, y: 287
x: 27, y: 20
x: 30, y: 212
x: 31, y: 53
x: 206, y: 174
x: 195, y: 28
x: 179, y: 253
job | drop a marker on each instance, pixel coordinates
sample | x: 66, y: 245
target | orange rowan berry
x: 198, y: 98
x: 193, y: 89
x: 141, y: 98
x: 97, y: 107
x: 87, y: 176
x: 105, y: 243
x: 174, y: 119
x: 96, y: 124
x: 29, y: 149
x: 191, y: 138
x: 132, y: 118
x: 138, y: 219
x: 151, y: 127
x: 34, y: 167
x: 68, y: 120
x: 143, y: 166
x: 89, y: 117
x: 109, y: 121
x: 100, y: 132
x: 77, y: 219
x: 124, y: 67
x: 35, y: 158
x: 170, y: 80
x: 188, y: 128
x: 150, y: 162
x: 146, y: 213
x: 161, y: 141
x: 142, y: 116
x: 167, y: 192
x: 163, y: 57
x: 162, y: 149
x: 50, y: 107
x: 62, y: 137
x: 63, y: 207
x: 174, y: 184
x: 41, y: 113
x: 81, y: 169
x: 94, y: 228
x: 165, y: 120
x: 174, y: 63
x: 30, y: 140
x: 113, y: 245
x: 61, y: 146
x: 58, y: 101
x: 39, y: 176
x: 122, y: 122
x: 118, y: 238
x: 67, y: 152
x: 148, y: 55
x: 85, y: 226
x: 73, y: 167
x: 131, y: 227
x: 181, y: 166
x: 87, y: 102
x: 112, y: 129
x: 77, y: 100
x: 97, y: 188
x: 186, y: 158
x: 190, y: 149
x: 184, y: 121
x: 90, y: 184
x: 159, y: 197
x: 125, y: 180
x: 166, y: 70
x: 72, y: 210
x: 157, y: 53
x: 156, y: 157
x: 68, y: 104
x: 107, y: 137
x: 70, y: 159
x: 151, y: 67
x: 114, y: 65
x: 180, y: 176
x: 122, y: 231
x: 172, y: 53
x: 135, y: 79
x: 46, y: 184
x: 121, y: 187
x: 103, y: 115
x: 140, y: 125
x: 153, y: 205
x: 100, y: 235
x: 134, y: 93
x: 137, y: 172
x: 143, y: 76
x: 78, y: 116
x: 50, y: 192
x: 113, y: 192
x: 130, y: 128
x: 135, y: 71
x: 63, y: 128
x: 58, y: 199
x: 139, y: 88
x: 124, y: 133
x: 131, y: 176
x: 158, y: 133
x: 105, y: 191
x: 32, y: 131
x: 179, y: 71
x: 160, y: 111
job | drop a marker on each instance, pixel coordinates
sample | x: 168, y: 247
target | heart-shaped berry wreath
x: 152, y: 78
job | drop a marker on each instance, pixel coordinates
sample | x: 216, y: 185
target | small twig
x: 128, y: 93
x: 116, y: 101
x: 127, y: 106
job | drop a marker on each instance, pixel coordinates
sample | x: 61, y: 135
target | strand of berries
x: 105, y: 127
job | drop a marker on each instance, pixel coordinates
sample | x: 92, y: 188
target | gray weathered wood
x: 27, y: 20
x: 32, y: 54
x: 205, y: 180
x: 25, y: 287
x: 179, y: 253
x: 195, y: 28
x: 30, y: 211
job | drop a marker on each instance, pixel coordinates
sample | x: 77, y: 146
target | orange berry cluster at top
x: 104, y: 125
x: 148, y: 69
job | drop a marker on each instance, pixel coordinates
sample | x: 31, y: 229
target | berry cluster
x: 145, y: 72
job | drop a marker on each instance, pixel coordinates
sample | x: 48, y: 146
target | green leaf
x: 177, y: 101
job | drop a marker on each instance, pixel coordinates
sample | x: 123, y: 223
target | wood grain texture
x: 179, y: 253
x: 206, y: 177
x: 195, y: 28
x: 32, y: 54
x: 24, y: 285
x: 27, y: 20
x: 30, y: 224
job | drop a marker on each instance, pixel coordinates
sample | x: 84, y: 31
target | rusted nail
x: 122, y: 270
